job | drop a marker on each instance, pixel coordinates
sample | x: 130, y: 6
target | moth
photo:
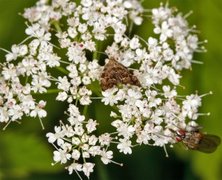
x: 115, y: 73
x: 197, y: 140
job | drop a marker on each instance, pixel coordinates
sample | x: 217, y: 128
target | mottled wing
x: 208, y: 143
x: 115, y: 73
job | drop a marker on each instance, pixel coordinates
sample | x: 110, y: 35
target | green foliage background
x: 26, y: 155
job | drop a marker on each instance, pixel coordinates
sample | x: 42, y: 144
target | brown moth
x: 115, y: 73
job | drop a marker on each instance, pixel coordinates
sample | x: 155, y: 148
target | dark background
x: 25, y: 153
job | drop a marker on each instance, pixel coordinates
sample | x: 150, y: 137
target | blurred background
x: 26, y: 155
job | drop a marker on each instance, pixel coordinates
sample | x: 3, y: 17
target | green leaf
x: 23, y: 154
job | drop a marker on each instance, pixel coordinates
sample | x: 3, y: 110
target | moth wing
x: 115, y: 73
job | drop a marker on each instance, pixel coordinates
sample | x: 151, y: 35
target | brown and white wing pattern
x: 115, y: 73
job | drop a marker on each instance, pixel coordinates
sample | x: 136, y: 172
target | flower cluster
x: 76, y: 140
x: 67, y: 38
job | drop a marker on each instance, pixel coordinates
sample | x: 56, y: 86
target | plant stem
x: 85, y: 110
x: 61, y: 69
x: 57, y: 26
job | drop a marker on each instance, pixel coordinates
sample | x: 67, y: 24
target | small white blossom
x: 105, y: 139
x: 134, y: 43
x: 62, y: 96
x: 57, y: 136
x: 91, y: 125
x: 190, y: 106
x: 61, y: 156
x: 109, y: 96
x: 125, y: 146
x: 106, y: 156
x: 63, y: 83
x: 87, y: 168
x: 164, y: 31
x: 75, y: 167
x: 39, y: 111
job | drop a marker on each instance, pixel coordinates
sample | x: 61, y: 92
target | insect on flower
x: 115, y: 73
x: 196, y: 140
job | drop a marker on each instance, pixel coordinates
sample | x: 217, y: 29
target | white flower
x: 124, y: 146
x: 9, y: 72
x: 86, y: 80
x: 134, y: 43
x: 106, y: 156
x: 190, y: 106
x: 86, y: 3
x: 160, y: 14
x: 61, y: 156
x: 73, y: 73
x: 15, y: 112
x: 75, y: 54
x: 168, y: 54
x: 109, y: 96
x: 82, y: 28
x: 76, y: 141
x: 39, y: 111
x: 143, y: 137
x: 91, y: 125
x: 151, y: 77
x: 85, y: 100
x: 138, y: 20
x: 53, y: 60
x: 36, y: 31
x: 57, y: 136
x: 73, y: 110
x: 152, y: 42
x: 72, y: 32
x: 84, y: 91
x: 133, y: 95
x: 79, y: 130
x: 161, y: 141
x: 94, y: 150
x: 4, y: 116
x: 76, y: 154
x: 63, y: 83
x: 128, y: 111
x: 39, y: 82
x: 105, y: 139
x: 92, y: 140
x: 75, y: 167
x: 62, y: 96
x: 28, y: 66
x: 124, y: 129
x: 168, y: 93
x: 192, y: 42
x: 143, y: 107
x: 87, y: 168
x: 164, y: 31
x: 17, y: 51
